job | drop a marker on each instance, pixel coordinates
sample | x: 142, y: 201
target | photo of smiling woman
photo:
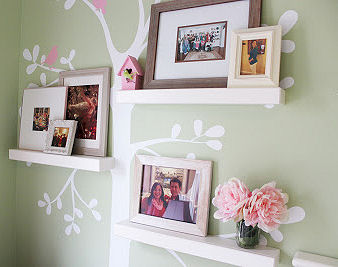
x: 155, y: 204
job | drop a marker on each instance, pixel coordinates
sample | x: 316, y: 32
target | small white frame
x: 273, y: 36
x: 205, y: 169
x: 67, y: 150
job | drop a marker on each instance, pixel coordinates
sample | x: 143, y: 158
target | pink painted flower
x: 230, y: 199
x: 266, y: 207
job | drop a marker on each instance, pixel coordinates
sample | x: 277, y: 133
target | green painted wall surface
x: 295, y: 144
x: 9, y: 77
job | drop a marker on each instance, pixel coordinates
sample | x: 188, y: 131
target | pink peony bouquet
x: 264, y: 207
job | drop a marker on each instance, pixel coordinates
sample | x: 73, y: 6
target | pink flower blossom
x: 266, y: 207
x: 230, y: 199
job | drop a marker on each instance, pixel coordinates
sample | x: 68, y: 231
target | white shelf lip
x: 80, y: 162
x: 254, y: 96
x: 304, y: 259
x: 210, y: 247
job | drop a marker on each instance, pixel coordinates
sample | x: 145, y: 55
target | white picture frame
x: 203, y: 175
x: 62, y: 145
x: 90, y: 77
x: 268, y: 75
x: 39, y: 107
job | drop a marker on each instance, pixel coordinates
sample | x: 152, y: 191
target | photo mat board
x: 39, y: 107
x: 88, y: 103
x: 162, y: 70
x: 172, y: 193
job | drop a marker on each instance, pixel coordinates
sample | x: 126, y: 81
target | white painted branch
x: 141, y: 145
x: 48, y: 68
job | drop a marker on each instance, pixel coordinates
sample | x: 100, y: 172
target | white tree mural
x: 123, y: 149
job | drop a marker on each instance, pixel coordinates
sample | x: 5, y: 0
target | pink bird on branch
x: 52, y: 56
x: 100, y: 4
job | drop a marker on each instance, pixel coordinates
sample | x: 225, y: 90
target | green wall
x: 295, y: 144
x: 9, y: 76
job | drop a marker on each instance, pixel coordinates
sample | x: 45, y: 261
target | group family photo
x: 201, y: 42
x: 60, y: 137
x: 170, y: 193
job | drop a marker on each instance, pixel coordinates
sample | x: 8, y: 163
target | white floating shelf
x: 303, y: 259
x: 210, y: 247
x: 255, y: 96
x: 88, y: 163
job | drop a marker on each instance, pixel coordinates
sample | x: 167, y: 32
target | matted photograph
x: 60, y: 137
x: 255, y: 57
x: 41, y: 119
x: 88, y: 103
x: 201, y: 42
x: 172, y: 193
x: 39, y: 107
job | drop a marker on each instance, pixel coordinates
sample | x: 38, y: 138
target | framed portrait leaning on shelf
x: 172, y: 193
x: 88, y: 104
x: 189, y: 41
x: 39, y: 107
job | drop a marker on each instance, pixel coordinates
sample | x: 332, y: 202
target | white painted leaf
x: 78, y: 213
x: 20, y: 111
x: 214, y: 144
x: 28, y: 164
x: 68, y: 229
x: 92, y: 203
x: 269, y: 106
x: 76, y: 228
x: 286, y: 83
x: 63, y: 60
x: 71, y: 55
x: 68, y: 218
x: 59, y: 203
x: 36, y: 51
x: 191, y: 156
x: 27, y: 55
x: 69, y: 4
x: 175, y: 131
x: 46, y: 197
x: 288, y: 20
x: 32, y: 85
x: 277, y: 236
x: 296, y: 214
x: 96, y: 215
x: 31, y: 68
x: 198, y: 126
x: 262, y: 240
x: 43, y: 58
x: 288, y: 46
x: 49, y: 209
x: 43, y: 79
x: 41, y: 203
x: 215, y: 131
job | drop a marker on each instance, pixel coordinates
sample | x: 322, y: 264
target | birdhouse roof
x: 132, y: 63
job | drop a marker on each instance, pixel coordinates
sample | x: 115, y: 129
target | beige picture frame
x: 86, y: 77
x: 272, y: 37
x: 204, y: 169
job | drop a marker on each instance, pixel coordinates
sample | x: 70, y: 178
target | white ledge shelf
x: 210, y: 247
x: 80, y: 162
x: 304, y: 259
x: 254, y: 96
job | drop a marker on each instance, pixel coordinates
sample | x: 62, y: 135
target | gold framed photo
x: 255, y: 57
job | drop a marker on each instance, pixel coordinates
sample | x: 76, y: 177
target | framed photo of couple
x: 172, y: 193
x: 189, y: 41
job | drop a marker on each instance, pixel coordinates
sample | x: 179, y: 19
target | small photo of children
x: 253, y: 57
x: 60, y: 137
x: 41, y: 119
x: 201, y: 42
x: 170, y: 193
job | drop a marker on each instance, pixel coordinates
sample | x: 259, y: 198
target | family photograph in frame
x: 255, y: 57
x: 88, y: 103
x: 172, y: 193
x: 189, y: 38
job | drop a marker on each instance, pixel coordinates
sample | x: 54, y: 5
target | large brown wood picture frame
x: 156, y: 10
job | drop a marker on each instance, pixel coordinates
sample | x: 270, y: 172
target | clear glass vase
x: 247, y: 236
